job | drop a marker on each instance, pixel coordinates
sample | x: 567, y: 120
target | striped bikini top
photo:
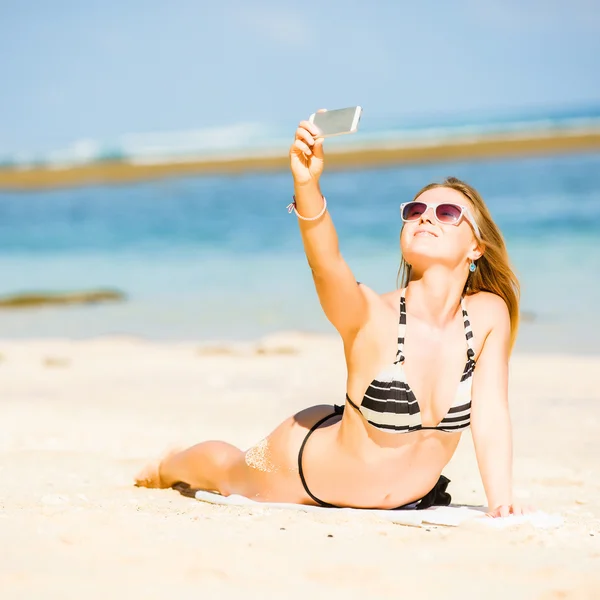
x: 390, y: 405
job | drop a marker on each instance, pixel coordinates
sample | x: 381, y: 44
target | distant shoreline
x: 380, y: 154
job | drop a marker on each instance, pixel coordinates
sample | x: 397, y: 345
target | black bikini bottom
x: 436, y: 497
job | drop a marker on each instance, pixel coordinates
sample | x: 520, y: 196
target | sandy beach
x: 78, y: 418
x: 359, y: 156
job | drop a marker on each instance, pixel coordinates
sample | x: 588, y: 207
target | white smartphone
x: 337, y: 122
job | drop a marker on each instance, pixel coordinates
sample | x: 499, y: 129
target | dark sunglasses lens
x: 413, y: 211
x: 448, y: 213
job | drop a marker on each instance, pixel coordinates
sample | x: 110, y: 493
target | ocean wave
x: 241, y: 139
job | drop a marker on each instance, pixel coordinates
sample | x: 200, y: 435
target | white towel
x: 450, y: 516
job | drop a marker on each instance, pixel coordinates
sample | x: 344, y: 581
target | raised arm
x: 340, y: 296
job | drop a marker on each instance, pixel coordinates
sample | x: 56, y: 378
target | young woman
x: 424, y: 363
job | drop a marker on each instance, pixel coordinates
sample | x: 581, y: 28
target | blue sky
x: 73, y: 69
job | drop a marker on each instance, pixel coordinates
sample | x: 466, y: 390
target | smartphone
x: 337, y: 122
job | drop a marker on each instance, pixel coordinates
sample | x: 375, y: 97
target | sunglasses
x: 446, y: 213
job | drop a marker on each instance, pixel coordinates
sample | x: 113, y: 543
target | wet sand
x: 78, y: 418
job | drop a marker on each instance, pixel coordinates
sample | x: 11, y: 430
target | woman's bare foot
x: 149, y: 475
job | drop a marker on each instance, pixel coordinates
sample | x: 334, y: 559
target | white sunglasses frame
x: 464, y: 213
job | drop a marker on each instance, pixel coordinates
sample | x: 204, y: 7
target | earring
x: 472, y: 267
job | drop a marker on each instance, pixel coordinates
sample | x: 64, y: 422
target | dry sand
x: 79, y: 418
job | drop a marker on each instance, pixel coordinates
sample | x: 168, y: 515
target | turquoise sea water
x: 220, y: 258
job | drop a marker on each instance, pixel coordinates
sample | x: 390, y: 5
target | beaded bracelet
x: 292, y: 207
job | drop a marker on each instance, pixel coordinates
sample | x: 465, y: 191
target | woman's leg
x: 266, y: 472
x: 205, y: 466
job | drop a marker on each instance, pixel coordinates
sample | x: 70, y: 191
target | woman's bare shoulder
x: 487, y: 310
x: 391, y: 298
x: 487, y: 301
x: 385, y: 300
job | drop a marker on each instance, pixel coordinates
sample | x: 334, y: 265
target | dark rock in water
x: 37, y: 299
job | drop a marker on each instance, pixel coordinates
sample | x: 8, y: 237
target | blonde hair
x: 494, y: 273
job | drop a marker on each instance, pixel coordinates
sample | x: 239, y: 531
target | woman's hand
x: 506, y: 510
x: 306, y: 155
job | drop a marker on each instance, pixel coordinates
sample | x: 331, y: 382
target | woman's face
x: 426, y: 240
